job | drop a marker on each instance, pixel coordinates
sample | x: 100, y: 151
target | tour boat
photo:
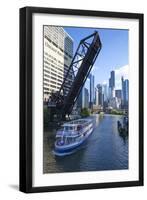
x: 72, y: 135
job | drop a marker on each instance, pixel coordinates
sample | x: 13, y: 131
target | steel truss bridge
x: 61, y: 103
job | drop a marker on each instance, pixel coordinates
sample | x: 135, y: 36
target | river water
x: 105, y: 149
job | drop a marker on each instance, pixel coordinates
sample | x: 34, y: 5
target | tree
x: 85, y: 112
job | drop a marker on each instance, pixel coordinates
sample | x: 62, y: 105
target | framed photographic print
x: 81, y: 99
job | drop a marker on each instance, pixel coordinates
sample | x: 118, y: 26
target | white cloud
x: 122, y: 71
x: 105, y: 82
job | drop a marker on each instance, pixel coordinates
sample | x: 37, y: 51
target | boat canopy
x: 73, y: 128
x: 77, y: 122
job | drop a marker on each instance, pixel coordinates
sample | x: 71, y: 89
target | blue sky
x: 113, y: 55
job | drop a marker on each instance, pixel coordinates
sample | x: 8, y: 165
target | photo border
x: 26, y: 103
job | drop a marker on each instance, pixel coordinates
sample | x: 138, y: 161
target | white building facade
x: 58, y: 54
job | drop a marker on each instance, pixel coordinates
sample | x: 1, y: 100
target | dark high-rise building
x: 125, y: 93
x: 118, y: 94
x: 80, y: 99
x: 109, y: 82
x: 112, y: 80
x: 92, y: 92
x: 100, y: 95
x: 112, y: 83
x: 86, y: 98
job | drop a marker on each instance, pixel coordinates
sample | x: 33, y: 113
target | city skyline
x: 99, y: 91
x: 105, y: 95
x: 113, y: 56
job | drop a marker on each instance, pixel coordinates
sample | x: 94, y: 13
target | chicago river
x: 105, y: 149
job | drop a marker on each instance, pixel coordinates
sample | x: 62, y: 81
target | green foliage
x: 116, y: 112
x: 101, y: 114
x: 85, y: 112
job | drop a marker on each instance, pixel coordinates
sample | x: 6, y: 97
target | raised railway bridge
x: 61, y: 103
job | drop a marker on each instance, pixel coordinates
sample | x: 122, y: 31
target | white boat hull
x: 71, y: 148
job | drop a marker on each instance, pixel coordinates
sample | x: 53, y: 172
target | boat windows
x: 68, y: 128
x: 79, y: 128
x: 70, y: 140
x: 65, y: 141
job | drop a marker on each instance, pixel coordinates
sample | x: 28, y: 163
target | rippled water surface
x: 105, y: 149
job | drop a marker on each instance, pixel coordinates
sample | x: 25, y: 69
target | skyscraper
x: 118, y: 94
x: 112, y: 84
x: 105, y: 91
x: 58, y: 53
x: 83, y: 99
x: 96, y: 97
x: 118, y: 98
x: 92, y: 93
x: 125, y: 93
x: 122, y: 87
x: 112, y: 79
x: 105, y: 95
x: 86, y: 98
x: 100, y: 95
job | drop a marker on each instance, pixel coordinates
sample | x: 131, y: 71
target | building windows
x: 58, y: 52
